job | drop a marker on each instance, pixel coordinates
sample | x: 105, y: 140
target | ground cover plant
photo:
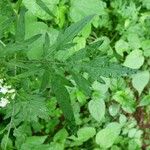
x: 74, y: 74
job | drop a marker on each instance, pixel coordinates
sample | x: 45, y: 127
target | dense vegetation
x: 74, y: 74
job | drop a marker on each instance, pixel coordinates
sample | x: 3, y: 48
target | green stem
x: 10, y: 126
x: 3, y: 43
x: 18, y: 5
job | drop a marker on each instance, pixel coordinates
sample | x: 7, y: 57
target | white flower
x: 7, y: 86
x: 4, y: 102
x: 3, y: 90
x: 11, y: 91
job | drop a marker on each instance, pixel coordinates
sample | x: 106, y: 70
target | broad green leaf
x: 122, y: 119
x: 101, y: 87
x: 114, y: 109
x: 36, y: 10
x: 63, y: 99
x: 140, y: 80
x: 29, y: 18
x: 35, y: 147
x: 97, y: 109
x: 20, y: 30
x: 134, y: 60
x: 106, y: 137
x: 53, y: 34
x: 134, y: 41
x: 36, y: 140
x: 121, y: 46
x: 85, y: 133
x: 145, y: 101
x: 36, y: 48
x: 134, y: 144
x: 55, y: 145
x: 132, y: 133
x: 35, y: 143
x: 146, y: 47
x: 61, y: 136
x: 34, y: 28
x: 44, y: 7
x: 81, y: 97
x: 81, y: 8
x: 59, y: 140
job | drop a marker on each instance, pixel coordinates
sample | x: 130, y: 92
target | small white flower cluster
x: 6, y: 93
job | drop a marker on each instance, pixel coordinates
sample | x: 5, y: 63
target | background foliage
x: 63, y: 74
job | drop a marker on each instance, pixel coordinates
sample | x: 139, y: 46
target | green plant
x: 68, y: 80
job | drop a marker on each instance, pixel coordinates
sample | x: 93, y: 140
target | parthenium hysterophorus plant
x: 53, y: 71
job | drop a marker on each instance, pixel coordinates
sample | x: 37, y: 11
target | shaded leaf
x: 37, y: 140
x: 63, y: 99
x: 81, y: 8
x: 97, y: 109
x: 134, y: 60
x: 82, y: 83
x: 35, y: 143
x: 121, y: 46
x: 85, y: 133
x: 140, y: 80
x: 106, y: 137
x: 45, y: 80
x: 145, y: 101
x: 114, y: 109
x: 20, y: 30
